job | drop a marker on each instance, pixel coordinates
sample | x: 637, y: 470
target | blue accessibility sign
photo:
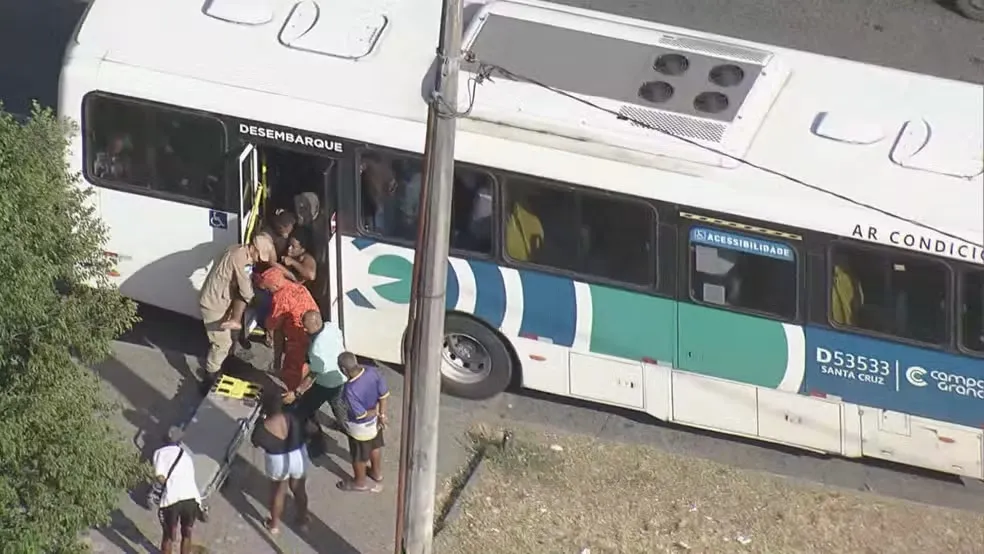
x: 218, y: 220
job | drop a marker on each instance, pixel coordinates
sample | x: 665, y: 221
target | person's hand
x: 289, y: 397
x: 382, y: 421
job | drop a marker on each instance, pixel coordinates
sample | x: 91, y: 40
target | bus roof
x: 910, y: 144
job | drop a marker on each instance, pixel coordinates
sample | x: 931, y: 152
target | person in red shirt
x: 289, y: 302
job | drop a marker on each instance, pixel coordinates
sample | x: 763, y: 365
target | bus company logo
x: 914, y: 375
x: 953, y: 383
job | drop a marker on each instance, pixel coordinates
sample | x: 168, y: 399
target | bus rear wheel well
x: 517, y: 367
x: 505, y: 371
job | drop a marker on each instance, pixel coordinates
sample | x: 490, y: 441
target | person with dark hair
x: 365, y: 394
x: 281, y: 437
x: 179, y: 498
x: 280, y: 227
x: 300, y: 262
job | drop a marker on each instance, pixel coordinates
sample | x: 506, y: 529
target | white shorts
x: 292, y: 465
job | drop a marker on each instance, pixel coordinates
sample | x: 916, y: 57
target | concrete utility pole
x: 422, y: 391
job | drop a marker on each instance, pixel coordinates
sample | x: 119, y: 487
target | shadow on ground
x: 157, y: 388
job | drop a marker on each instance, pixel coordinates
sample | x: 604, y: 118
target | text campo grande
x: 291, y: 137
x: 946, y: 382
x: 952, y: 248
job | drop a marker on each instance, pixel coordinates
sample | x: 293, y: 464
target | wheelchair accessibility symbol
x: 218, y: 220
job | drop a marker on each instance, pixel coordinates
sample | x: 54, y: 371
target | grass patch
x: 547, y: 493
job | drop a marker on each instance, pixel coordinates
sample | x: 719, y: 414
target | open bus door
x: 325, y: 248
x: 250, y: 193
x: 250, y: 216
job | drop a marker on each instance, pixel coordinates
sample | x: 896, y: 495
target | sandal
x: 269, y: 527
x: 348, y: 485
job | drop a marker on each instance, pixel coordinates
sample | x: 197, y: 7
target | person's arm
x: 306, y: 383
x: 383, y: 390
x: 161, y: 466
x: 306, y: 270
x: 243, y: 283
x: 285, y: 268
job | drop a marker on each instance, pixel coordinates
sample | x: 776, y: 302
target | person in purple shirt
x: 365, y: 396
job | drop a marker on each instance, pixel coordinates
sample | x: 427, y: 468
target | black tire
x: 971, y: 9
x: 498, y: 376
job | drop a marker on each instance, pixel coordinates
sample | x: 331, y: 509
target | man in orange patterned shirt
x: 290, y: 341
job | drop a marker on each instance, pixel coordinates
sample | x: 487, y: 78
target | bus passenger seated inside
x: 524, y: 230
x: 113, y: 163
x: 887, y: 293
x: 391, y: 185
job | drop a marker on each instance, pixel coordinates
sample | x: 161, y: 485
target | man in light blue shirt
x: 324, y: 381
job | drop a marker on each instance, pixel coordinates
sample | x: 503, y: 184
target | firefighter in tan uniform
x: 229, y: 279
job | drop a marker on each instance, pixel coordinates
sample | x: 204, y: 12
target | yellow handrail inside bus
x: 259, y: 199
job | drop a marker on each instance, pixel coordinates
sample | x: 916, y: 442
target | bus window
x: 391, y: 201
x: 972, y: 311
x: 143, y: 148
x: 743, y: 271
x: 590, y: 234
x: 618, y: 239
x: 541, y: 224
x: 889, y: 293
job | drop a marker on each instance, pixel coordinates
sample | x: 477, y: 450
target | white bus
x: 727, y: 235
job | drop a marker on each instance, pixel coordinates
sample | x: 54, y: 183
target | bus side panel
x: 737, y: 347
x: 726, y: 356
x: 631, y: 325
x: 912, y: 392
x: 376, y: 279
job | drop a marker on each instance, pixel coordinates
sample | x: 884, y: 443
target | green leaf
x: 62, y: 463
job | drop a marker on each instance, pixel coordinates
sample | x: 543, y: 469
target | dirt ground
x: 549, y: 494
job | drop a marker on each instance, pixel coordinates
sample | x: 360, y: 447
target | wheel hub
x: 465, y: 359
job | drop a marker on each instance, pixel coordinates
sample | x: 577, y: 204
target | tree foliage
x: 63, y: 465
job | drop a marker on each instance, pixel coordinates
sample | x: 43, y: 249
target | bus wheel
x: 971, y: 9
x: 475, y: 363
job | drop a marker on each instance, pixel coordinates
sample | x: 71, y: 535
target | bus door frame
x: 249, y: 186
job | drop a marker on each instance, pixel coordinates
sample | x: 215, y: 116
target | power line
x: 486, y: 70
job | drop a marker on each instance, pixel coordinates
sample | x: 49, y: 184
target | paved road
x: 917, y: 35
x: 150, y: 377
x: 176, y: 334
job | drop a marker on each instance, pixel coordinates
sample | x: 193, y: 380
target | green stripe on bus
x: 732, y: 346
x: 632, y: 325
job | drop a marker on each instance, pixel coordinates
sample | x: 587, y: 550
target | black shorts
x: 184, y: 513
x: 360, y: 450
